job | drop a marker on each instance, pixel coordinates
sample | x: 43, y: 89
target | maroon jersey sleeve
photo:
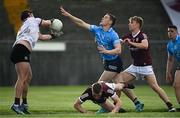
x: 86, y: 95
x: 144, y: 36
x: 111, y: 93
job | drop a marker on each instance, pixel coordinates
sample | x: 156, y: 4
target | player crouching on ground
x: 26, y: 39
x: 99, y: 94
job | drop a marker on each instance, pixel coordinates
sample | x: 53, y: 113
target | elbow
x: 119, y: 103
x: 76, y: 105
x: 145, y: 47
x: 118, y: 51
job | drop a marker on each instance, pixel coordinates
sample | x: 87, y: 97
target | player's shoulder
x: 33, y: 19
x: 112, y: 30
x: 144, y: 35
x: 89, y: 89
x: 95, y: 27
x: 178, y: 37
x: 169, y: 43
x: 38, y: 18
x: 113, y: 34
x: 110, y: 91
x: 87, y: 92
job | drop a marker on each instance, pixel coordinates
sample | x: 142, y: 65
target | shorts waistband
x: 23, y: 47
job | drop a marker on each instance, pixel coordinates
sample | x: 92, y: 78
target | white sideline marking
x: 50, y: 46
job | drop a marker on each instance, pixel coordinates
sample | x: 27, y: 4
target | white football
x: 56, y: 25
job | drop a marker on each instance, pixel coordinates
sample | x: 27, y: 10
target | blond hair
x: 138, y: 19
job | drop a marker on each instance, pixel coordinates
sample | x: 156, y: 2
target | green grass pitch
x: 57, y: 102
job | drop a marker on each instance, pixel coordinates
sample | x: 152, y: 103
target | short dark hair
x: 172, y: 26
x: 25, y: 14
x: 96, y: 88
x: 138, y: 19
x: 112, y: 18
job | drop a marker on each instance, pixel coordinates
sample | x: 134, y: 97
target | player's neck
x: 174, y: 38
x: 135, y: 32
x: 106, y: 28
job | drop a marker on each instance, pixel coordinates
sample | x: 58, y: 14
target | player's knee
x: 22, y: 78
x: 30, y: 76
x: 118, y: 80
x: 155, y: 87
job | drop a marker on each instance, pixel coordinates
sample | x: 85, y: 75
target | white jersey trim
x: 111, y: 85
x: 80, y: 100
x: 113, y: 95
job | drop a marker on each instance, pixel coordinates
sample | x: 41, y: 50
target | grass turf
x: 57, y: 101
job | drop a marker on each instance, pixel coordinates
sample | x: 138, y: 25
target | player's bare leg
x: 129, y: 93
x: 125, y: 77
x: 120, y: 78
x: 151, y: 79
x: 176, y: 86
x: 107, y: 76
x: 26, y: 84
x: 24, y: 104
x: 22, y: 70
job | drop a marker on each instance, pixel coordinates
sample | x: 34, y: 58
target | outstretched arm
x: 74, y: 19
x: 78, y: 107
x: 45, y: 37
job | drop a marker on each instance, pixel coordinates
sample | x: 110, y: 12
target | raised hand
x: 64, y: 12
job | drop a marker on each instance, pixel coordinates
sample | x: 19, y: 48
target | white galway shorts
x: 140, y: 71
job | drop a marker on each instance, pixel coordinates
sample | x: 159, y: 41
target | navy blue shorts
x: 115, y: 65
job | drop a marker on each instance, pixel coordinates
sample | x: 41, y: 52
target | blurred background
x: 76, y: 61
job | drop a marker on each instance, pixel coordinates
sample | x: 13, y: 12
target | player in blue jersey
x: 109, y: 47
x: 173, y: 49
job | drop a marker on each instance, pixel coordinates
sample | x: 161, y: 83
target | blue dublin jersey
x: 173, y: 48
x: 107, y: 39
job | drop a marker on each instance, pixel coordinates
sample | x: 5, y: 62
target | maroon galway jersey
x: 141, y: 57
x: 107, y: 92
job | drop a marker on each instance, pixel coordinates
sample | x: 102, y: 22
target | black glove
x: 55, y: 34
x: 52, y: 20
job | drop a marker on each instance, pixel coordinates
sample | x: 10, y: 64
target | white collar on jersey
x: 136, y: 34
